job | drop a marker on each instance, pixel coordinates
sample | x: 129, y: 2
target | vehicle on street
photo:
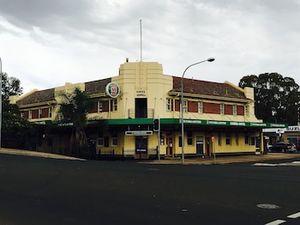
x: 282, y: 147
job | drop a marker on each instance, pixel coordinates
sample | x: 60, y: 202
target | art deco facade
x: 219, y: 117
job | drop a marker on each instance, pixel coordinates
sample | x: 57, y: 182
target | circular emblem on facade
x: 112, y: 89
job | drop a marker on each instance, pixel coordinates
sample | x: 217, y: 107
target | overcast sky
x: 47, y: 43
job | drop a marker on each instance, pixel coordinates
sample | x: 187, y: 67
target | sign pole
x: 158, y: 140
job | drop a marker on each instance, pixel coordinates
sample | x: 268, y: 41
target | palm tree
x: 74, y: 109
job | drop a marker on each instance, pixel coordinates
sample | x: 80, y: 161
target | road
x: 48, y: 191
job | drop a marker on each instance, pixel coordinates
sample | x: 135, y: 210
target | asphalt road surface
x: 48, y: 191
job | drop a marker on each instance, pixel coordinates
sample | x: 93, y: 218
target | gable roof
x: 37, y: 97
x: 209, y: 88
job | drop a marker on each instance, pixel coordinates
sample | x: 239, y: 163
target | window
x: 220, y: 139
x: 50, y: 112
x: 185, y: 104
x: 247, y: 110
x: 162, y: 139
x: 169, y: 104
x: 180, y: 141
x: 234, y: 109
x: 222, y: 108
x: 252, y: 140
x: 100, y: 106
x: 237, y: 139
x: 106, y: 141
x: 114, y: 105
x: 200, y: 107
x: 100, y: 141
x: 114, y: 140
x: 40, y: 113
x: 228, y: 139
x: 246, y: 139
x: 189, y: 138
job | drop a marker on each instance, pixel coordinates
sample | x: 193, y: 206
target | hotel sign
x: 138, y: 132
x: 112, y: 89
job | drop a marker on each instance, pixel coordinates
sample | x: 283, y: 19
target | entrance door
x: 199, y: 145
x: 169, y: 142
x: 208, y: 146
x: 141, y: 144
x: 141, y: 108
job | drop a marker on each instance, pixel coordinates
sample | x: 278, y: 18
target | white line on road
x: 294, y: 216
x: 276, y: 222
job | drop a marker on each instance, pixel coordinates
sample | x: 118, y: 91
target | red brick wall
x: 192, y: 106
x: 211, y: 108
x: 94, y: 107
x: 25, y: 114
x: 45, y: 113
x: 240, y: 110
x: 228, y: 109
x: 105, y: 106
x: 177, y: 105
x: 35, y: 114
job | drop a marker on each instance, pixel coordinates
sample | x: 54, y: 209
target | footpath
x: 228, y: 159
x: 9, y: 151
x: 172, y: 161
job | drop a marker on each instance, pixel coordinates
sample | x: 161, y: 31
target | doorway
x: 199, y: 145
x: 208, y: 146
x: 141, y: 108
x: 141, y: 144
x: 169, y: 143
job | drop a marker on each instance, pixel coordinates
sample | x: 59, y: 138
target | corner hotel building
x: 218, y: 117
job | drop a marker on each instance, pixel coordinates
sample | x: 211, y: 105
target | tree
x: 74, y: 109
x: 11, y: 115
x: 13, y: 126
x: 277, y: 98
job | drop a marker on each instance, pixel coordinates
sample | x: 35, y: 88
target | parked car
x: 282, y: 147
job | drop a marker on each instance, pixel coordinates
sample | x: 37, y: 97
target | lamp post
x: 181, y: 104
x: 0, y: 101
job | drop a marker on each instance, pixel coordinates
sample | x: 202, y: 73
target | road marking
x: 295, y: 163
x: 294, y: 216
x: 264, y: 164
x: 267, y: 206
x: 276, y: 222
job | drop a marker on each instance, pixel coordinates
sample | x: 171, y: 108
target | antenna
x: 141, y: 41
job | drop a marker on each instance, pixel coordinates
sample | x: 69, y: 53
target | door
x: 199, y: 145
x: 169, y: 142
x: 141, y: 108
x: 141, y: 144
x: 208, y: 146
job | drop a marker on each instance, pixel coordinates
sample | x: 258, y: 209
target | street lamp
x: 0, y: 100
x: 181, y: 104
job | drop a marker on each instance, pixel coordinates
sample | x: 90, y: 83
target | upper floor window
x: 234, y: 110
x: 169, y: 104
x: 222, y: 108
x: 247, y: 110
x: 185, y: 105
x: 200, y: 107
x: 114, y: 105
x: 50, y: 112
x: 100, y: 106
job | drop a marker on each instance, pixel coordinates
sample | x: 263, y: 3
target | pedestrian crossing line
x: 294, y: 216
x: 276, y: 222
x: 295, y: 163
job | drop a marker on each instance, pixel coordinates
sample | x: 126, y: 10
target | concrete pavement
x: 10, y: 151
x: 227, y: 159
x: 187, y: 161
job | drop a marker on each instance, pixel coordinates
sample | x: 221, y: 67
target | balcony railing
x: 147, y: 113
